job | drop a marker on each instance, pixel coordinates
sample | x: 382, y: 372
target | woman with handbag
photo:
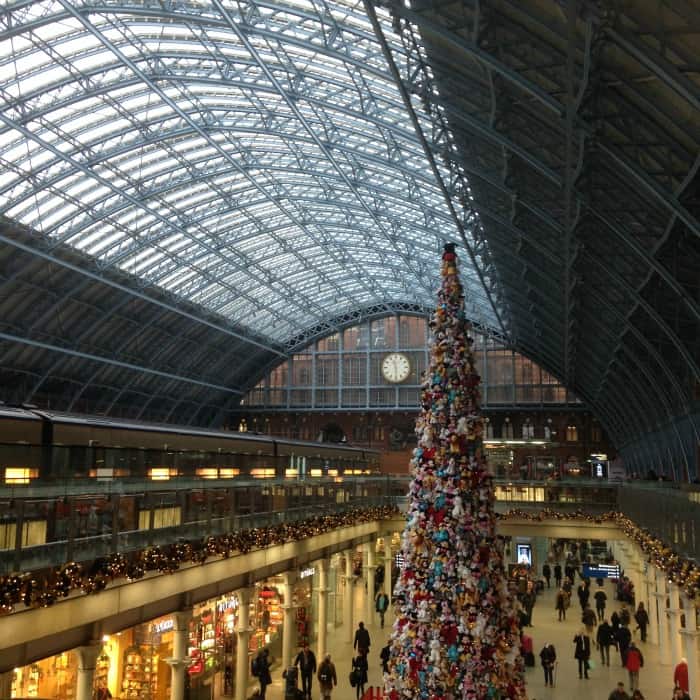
x: 358, y: 675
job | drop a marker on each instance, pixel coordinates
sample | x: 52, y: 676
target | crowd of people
x: 600, y: 631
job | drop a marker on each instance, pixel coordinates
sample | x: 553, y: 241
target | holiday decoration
x: 41, y: 591
x: 456, y: 633
x: 685, y: 573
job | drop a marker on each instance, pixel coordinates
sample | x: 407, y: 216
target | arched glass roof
x: 254, y: 158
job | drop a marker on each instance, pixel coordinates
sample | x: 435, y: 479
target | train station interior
x: 318, y: 315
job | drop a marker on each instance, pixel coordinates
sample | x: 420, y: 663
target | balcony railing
x: 44, y: 525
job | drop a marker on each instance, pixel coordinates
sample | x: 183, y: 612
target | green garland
x: 43, y: 590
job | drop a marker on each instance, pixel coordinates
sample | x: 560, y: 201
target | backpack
x: 324, y: 674
x: 255, y: 666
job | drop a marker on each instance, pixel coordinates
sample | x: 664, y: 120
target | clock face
x: 396, y: 367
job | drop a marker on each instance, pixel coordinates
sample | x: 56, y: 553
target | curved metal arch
x: 342, y: 59
x: 665, y: 199
x: 641, y: 338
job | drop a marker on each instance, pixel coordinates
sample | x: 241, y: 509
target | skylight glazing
x: 252, y: 157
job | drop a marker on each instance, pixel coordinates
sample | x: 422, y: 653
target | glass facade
x: 344, y: 371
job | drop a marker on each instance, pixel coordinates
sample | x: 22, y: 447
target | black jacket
x: 359, y: 665
x: 583, y: 647
x: 306, y: 663
x: 361, y: 639
x: 548, y: 655
x: 605, y: 636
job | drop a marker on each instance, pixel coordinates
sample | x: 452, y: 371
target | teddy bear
x: 435, y: 652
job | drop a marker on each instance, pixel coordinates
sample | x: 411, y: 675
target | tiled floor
x: 656, y: 681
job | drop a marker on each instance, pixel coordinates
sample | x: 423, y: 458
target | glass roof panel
x: 255, y: 158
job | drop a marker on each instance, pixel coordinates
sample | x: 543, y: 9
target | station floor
x: 655, y: 680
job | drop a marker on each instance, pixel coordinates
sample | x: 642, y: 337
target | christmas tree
x: 456, y: 633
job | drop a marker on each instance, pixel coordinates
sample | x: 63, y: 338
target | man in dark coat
x: 306, y: 661
x: 547, y: 573
x: 624, y: 637
x: 604, y: 638
x: 557, y: 575
x: 582, y: 652
x: 600, y: 600
x: 361, y: 642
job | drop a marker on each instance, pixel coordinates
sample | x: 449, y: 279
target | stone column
x: 87, y: 660
x: 288, y: 622
x: 690, y: 637
x: 664, y: 637
x: 653, y: 631
x: 179, y: 662
x: 674, y: 617
x: 371, y: 566
x: 321, y: 633
x: 388, y: 564
x: 243, y: 631
x: 348, y: 595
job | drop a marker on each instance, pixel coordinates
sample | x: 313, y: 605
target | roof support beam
x: 379, y: 33
x: 116, y: 363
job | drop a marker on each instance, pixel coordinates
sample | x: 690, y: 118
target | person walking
x: 633, y: 662
x: 547, y: 573
x: 306, y: 661
x: 624, y: 639
x: 680, y: 694
x: 680, y: 675
x: 604, y: 639
x: 548, y: 657
x: 557, y: 575
x: 362, y: 641
x: 637, y: 695
x: 619, y: 693
x: 560, y: 604
x: 600, y: 601
x: 385, y: 655
x: 589, y: 620
x: 528, y: 600
x: 381, y: 604
x: 359, y: 670
x: 327, y: 677
x: 642, y: 619
x: 584, y: 594
x: 261, y: 670
x: 582, y: 652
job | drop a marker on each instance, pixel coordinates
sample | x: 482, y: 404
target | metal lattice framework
x: 573, y: 131
x: 189, y: 191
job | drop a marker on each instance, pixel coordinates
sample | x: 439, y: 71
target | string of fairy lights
x: 680, y: 570
x: 43, y: 589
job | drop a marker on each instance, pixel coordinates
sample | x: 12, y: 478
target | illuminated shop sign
x: 309, y: 571
x: 230, y: 603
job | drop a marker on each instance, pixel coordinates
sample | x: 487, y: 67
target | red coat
x: 680, y: 676
x: 635, y: 660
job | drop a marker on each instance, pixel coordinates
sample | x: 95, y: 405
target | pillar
x: 242, y: 639
x: 348, y: 594
x: 321, y: 632
x: 388, y: 565
x: 664, y: 637
x: 690, y: 637
x: 87, y: 660
x: 674, y: 618
x: 371, y: 566
x: 6, y: 684
x: 653, y: 631
x: 179, y: 661
x: 288, y: 622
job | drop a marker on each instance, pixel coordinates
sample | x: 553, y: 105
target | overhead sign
x: 601, y: 571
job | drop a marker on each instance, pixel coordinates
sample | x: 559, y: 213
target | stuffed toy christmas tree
x: 456, y: 633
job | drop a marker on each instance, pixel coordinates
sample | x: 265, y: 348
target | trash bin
x: 291, y: 680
